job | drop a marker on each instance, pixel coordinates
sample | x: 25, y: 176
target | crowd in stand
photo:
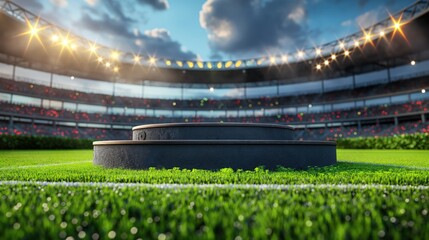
x: 263, y: 102
x: 63, y: 131
x: 304, y: 134
x: 364, y: 131
x: 359, y: 113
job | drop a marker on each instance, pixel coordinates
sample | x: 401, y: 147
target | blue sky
x: 212, y: 29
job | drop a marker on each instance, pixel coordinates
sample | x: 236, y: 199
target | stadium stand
x: 372, y: 91
x: 37, y: 90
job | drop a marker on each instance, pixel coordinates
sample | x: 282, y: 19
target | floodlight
x: 228, y: 64
x: 65, y: 42
x: 54, y: 38
x: 397, y: 25
x: 115, y: 55
x: 238, y: 63
x: 190, y: 64
x: 152, y: 60
x: 137, y: 59
x: 284, y: 58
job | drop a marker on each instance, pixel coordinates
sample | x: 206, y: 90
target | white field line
x: 43, y: 165
x: 217, y: 186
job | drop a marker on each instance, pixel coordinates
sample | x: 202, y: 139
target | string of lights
x: 112, y: 59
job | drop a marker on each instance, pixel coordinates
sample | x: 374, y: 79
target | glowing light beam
x: 33, y: 32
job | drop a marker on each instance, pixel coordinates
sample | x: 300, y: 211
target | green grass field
x: 60, y: 194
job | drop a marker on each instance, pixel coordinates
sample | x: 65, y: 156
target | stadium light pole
x: 14, y: 70
x: 51, y: 80
x: 142, y: 93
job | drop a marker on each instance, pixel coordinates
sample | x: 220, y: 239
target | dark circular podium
x: 214, y: 146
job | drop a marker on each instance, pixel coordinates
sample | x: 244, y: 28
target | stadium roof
x: 32, y: 42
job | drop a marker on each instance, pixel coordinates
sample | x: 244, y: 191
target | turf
x: 405, y: 158
x: 34, y: 211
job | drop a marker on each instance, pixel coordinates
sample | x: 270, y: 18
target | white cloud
x: 298, y: 15
x: 158, y: 33
x: 347, y: 23
x: 367, y: 19
x: 253, y: 26
x: 60, y: 3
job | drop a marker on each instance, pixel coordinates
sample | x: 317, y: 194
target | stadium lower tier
x: 29, y: 129
x: 36, y: 90
x: 419, y: 108
x: 331, y: 133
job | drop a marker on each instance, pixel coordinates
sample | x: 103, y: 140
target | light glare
x: 397, y: 25
x: 284, y: 58
x: 115, y: 55
x: 65, y: 42
x: 152, y: 60
x: 54, y: 38
x: 137, y: 59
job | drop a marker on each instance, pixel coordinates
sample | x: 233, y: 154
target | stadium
x: 367, y: 91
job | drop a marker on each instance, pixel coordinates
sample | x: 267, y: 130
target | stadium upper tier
x: 46, y: 110
x: 392, y: 42
x: 382, y: 93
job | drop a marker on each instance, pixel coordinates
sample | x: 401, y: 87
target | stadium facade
x: 371, y: 83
